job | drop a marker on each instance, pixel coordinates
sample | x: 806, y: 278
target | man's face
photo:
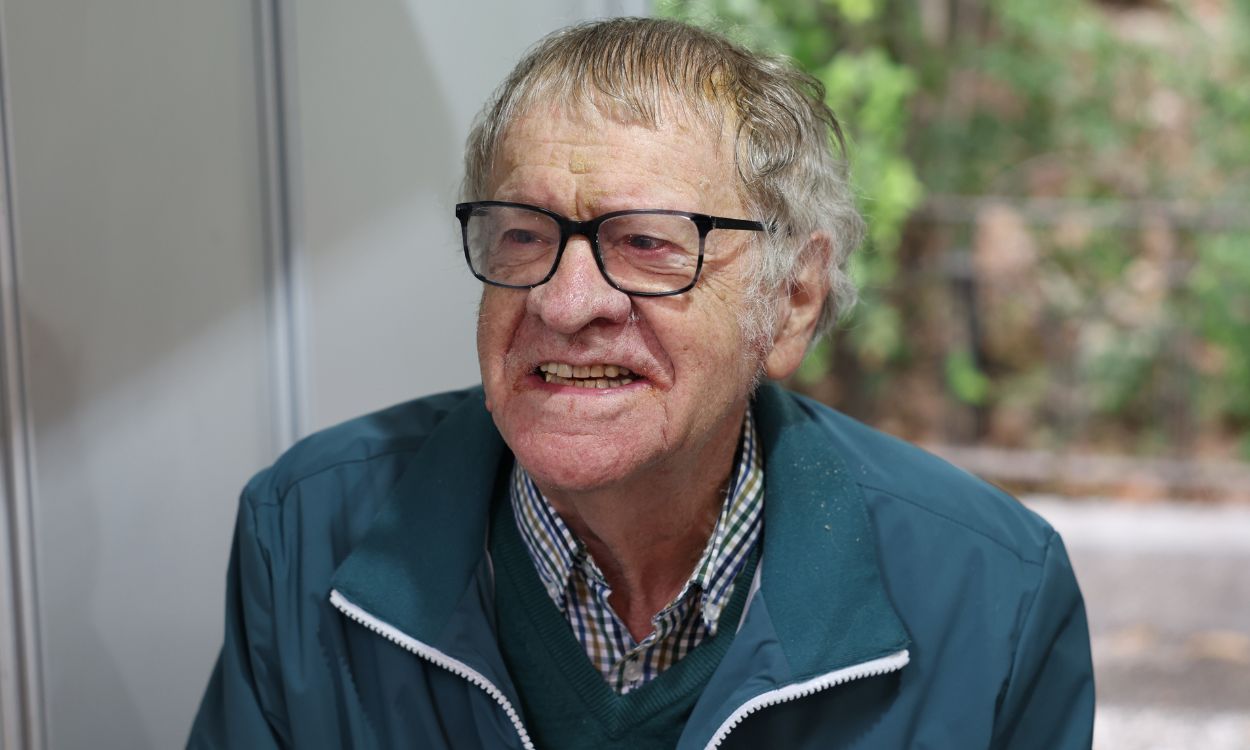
x: 690, y: 366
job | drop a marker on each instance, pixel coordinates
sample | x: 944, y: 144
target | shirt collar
x: 555, y: 550
x: 550, y: 543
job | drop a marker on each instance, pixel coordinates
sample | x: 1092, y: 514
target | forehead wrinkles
x: 686, y: 153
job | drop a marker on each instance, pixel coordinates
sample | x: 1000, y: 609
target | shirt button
x: 633, y: 670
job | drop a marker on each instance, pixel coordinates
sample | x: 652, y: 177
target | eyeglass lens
x: 640, y: 252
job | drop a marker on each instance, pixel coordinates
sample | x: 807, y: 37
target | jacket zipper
x: 883, y: 665
x: 434, y: 656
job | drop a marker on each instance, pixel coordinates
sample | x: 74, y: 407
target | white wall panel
x: 140, y: 247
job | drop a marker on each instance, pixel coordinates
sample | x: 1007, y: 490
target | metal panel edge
x: 280, y: 178
x: 21, y: 684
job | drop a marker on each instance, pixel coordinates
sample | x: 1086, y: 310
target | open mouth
x: 585, y: 376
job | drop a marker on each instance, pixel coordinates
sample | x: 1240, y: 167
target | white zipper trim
x: 433, y: 655
x: 884, y: 665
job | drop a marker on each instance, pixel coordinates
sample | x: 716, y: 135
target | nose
x: 578, y: 294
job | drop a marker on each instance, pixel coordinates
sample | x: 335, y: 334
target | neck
x: 648, y: 533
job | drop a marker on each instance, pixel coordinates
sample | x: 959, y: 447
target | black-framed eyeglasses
x: 644, y: 252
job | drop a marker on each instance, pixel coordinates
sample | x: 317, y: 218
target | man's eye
x: 521, y: 237
x: 643, y: 242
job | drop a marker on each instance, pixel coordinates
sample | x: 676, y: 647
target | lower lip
x: 536, y: 381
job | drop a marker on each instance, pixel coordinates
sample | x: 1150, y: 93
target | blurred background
x: 224, y: 226
x: 1055, y: 295
x: 1059, y: 253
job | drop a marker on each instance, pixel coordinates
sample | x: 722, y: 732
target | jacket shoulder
x: 384, y: 434
x: 922, y: 485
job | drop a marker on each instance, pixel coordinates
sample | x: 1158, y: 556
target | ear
x: 800, y: 310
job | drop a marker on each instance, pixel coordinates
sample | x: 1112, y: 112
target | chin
x: 573, y: 464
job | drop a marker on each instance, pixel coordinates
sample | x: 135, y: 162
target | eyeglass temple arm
x: 751, y: 226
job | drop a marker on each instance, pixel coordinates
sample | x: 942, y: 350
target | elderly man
x: 627, y: 537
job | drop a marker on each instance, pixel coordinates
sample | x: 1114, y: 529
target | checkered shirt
x: 578, y: 588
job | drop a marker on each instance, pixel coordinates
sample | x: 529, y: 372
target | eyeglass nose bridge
x: 588, y: 228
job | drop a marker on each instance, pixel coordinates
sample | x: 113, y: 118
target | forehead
x: 611, y: 159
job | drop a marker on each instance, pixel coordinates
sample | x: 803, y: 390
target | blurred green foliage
x: 1099, y: 321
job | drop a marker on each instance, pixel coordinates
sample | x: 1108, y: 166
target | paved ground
x: 1167, y: 588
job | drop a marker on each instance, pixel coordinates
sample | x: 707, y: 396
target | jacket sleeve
x: 1048, y: 701
x: 243, y: 707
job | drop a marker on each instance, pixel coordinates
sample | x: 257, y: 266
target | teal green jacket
x: 899, y: 602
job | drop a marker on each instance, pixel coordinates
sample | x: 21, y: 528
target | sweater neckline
x: 514, y: 568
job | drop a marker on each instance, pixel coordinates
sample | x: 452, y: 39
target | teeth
x: 592, y: 373
x: 595, y: 383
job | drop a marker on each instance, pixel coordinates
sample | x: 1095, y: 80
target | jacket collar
x: 417, y: 561
x: 415, y: 569
x: 820, y: 576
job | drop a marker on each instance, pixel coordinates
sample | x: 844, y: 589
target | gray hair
x: 637, y: 69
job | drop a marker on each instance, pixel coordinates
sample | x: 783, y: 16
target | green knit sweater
x: 565, y: 702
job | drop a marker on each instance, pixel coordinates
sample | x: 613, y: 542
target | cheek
x: 497, y: 321
x: 485, y: 357
x: 725, y: 334
x: 713, y: 356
